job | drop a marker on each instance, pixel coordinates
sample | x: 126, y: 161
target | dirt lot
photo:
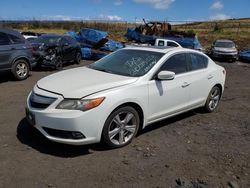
x: 191, y: 150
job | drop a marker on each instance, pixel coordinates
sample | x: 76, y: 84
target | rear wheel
x: 20, y: 69
x: 78, y: 58
x: 213, y: 99
x: 121, y: 127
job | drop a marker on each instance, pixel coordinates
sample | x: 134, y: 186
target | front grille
x: 39, y: 101
x: 75, y: 135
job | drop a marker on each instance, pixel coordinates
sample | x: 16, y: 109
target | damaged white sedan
x: 112, y: 99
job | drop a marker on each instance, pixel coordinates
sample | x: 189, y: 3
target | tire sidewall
x: 105, y: 132
x: 14, y: 67
x: 78, y: 55
x: 207, y: 108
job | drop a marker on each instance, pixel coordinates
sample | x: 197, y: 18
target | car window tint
x: 15, y: 39
x: 176, y: 64
x: 172, y: 44
x: 161, y: 43
x: 4, y: 39
x: 198, y: 61
x: 64, y: 41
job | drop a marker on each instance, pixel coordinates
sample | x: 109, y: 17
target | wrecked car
x: 55, y: 50
x: 149, y: 32
x: 94, y: 43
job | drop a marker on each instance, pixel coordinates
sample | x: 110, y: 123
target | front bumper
x: 66, y: 126
x: 225, y: 55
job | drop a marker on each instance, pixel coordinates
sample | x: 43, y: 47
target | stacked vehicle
x: 94, y: 43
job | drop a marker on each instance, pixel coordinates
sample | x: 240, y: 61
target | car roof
x: 223, y: 40
x: 51, y: 35
x: 12, y: 32
x: 162, y: 49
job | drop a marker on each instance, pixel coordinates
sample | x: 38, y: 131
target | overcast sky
x: 125, y: 10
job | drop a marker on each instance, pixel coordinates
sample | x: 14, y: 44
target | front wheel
x: 78, y: 58
x: 20, y: 69
x: 121, y: 127
x: 58, y: 63
x: 213, y: 99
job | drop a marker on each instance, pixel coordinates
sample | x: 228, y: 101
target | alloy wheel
x: 122, y: 128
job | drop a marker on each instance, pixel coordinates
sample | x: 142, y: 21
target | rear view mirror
x: 166, y: 75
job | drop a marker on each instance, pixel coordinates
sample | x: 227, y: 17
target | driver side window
x: 177, y: 64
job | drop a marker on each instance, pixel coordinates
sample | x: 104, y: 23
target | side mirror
x: 166, y: 75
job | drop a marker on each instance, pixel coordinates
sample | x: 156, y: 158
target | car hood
x: 83, y: 81
x: 225, y: 49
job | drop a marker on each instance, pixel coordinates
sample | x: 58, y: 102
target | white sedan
x: 113, y: 98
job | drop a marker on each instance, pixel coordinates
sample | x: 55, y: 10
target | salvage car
x: 115, y: 97
x: 55, y: 50
x: 15, y: 54
x: 224, y: 49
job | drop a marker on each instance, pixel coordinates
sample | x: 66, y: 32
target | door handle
x: 185, y: 84
x: 210, y: 76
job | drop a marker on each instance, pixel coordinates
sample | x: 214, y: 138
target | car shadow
x: 169, y: 121
x: 6, y: 76
x: 31, y: 137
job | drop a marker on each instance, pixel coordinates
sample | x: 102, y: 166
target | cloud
x: 118, y: 2
x: 220, y: 17
x: 157, y: 4
x: 217, y: 5
x: 60, y: 18
x: 109, y: 17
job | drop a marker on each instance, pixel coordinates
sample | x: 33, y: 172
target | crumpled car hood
x: 83, y: 81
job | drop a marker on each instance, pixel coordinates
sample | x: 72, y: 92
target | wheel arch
x: 22, y: 58
x: 137, y: 107
x: 220, y: 87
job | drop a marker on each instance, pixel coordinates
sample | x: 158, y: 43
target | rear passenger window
x: 4, y: 39
x: 16, y: 40
x: 198, y: 61
x: 177, y: 64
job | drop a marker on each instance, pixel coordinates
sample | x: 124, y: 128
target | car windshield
x: 224, y: 44
x: 133, y: 63
x: 48, y: 39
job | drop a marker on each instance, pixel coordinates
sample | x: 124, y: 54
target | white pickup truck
x: 166, y: 42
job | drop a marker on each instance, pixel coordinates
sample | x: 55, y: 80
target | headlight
x: 83, y: 105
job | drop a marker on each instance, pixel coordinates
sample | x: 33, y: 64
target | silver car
x: 224, y: 49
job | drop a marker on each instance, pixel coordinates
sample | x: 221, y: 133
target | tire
x: 78, y: 57
x: 213, y: 99
x: 58, y: 63
x: 20, y: 69
x: 117, y: 131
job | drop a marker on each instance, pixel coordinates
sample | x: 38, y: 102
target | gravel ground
x: 191, y: 150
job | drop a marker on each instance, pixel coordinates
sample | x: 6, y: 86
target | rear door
x: 5, y: 51
x: 167, y: 97
x: 200, y: 78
